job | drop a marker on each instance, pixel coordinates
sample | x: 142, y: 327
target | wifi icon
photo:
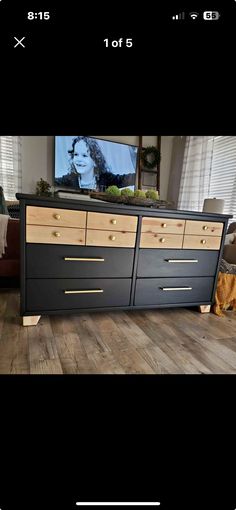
x: 193, y: 15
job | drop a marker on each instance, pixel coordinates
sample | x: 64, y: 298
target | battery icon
x: 211, y: 15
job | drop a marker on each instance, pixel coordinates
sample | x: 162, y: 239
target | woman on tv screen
x: 89, y: 167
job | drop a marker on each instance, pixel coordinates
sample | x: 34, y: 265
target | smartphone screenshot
x: 117, y: 255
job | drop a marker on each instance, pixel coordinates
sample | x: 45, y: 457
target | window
x: 10, y: 165
x: 223, y: 172
x: 209, y: 171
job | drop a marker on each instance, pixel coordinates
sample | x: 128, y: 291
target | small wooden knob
x: 57, y: 216
x: 203, y: 241
x: 162, y: 240
x: 112, y: 238
x: 205, y: 227
x: 164, y: 225
x: 57, y: 234
x: 113, y: 222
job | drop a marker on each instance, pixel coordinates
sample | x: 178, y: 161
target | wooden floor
x: 169, y: 341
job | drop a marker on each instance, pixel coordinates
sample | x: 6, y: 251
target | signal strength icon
x: 181, y: 15
x: 193, y: 15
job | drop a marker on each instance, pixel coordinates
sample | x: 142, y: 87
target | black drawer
x: 49, y: 294
x: 155, y: 291
x: 164, y: 263
x: 48, y: 261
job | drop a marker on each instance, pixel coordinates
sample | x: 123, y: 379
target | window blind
x: 10, y: 165
x: 223, y: 172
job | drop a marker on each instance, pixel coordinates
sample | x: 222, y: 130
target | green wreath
x: 150, y: 157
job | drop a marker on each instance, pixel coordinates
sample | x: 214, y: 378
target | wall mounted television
x: 89, y: 163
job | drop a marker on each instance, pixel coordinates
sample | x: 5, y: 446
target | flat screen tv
x: 83, y: 162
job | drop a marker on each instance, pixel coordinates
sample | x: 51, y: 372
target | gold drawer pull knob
x: 205, y: 227
x: 113, y: 222
x: 57, y: 216
x: 112, y: 238
x: 162, y: 240
x: 57, y: 234
x: 203, y: 241
x: 164, y: 225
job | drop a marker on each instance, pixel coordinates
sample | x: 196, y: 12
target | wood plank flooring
x: 166, y: 341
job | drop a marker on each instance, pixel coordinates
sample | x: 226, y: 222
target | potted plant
x: 43, y: 188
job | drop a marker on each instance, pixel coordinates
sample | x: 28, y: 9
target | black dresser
x: 80, y: 255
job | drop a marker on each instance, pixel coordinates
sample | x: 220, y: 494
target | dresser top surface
x: 100, y: 206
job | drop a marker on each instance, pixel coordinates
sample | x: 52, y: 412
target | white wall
x: 38, y: 158
x: 37, y: 161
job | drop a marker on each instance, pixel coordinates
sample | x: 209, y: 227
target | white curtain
x: 10, y: 165
x: 196, y: 172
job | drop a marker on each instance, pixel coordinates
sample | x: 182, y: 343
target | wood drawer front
x: 53, y: 216
x: 162, y: 225
x: 39, y: 234
x: 160, y: 240
x: 208, y: 228
x: 118, y: 222
x: 164, y: 263
x: 161, y: 291
x: 49, y: 294
x: 202, y: 242
x: 82, y: 262
x: 110, y: 238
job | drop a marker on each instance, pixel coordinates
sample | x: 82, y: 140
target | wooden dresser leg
x: 204, y: 308
x: 31, y: 320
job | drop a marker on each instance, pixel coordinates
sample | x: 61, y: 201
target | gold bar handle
x: 84, y: 259
x: 176, y: 288
x: 88, y: 291
x: 181, y: 260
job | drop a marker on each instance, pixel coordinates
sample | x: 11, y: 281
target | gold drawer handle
x: 112, y: 238
x: 180, y: 260
x: 85, y: 259
x: 162, y: 240
x: 57, y: 216
x: 205, y: 227
x: 113, y: 222
x: 176, y: 288
x: 88, y: 291
x: 57, y: 234
x: 164, y: 225
x: 203, y: 241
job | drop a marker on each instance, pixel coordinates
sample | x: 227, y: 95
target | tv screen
x: 83, y: 162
